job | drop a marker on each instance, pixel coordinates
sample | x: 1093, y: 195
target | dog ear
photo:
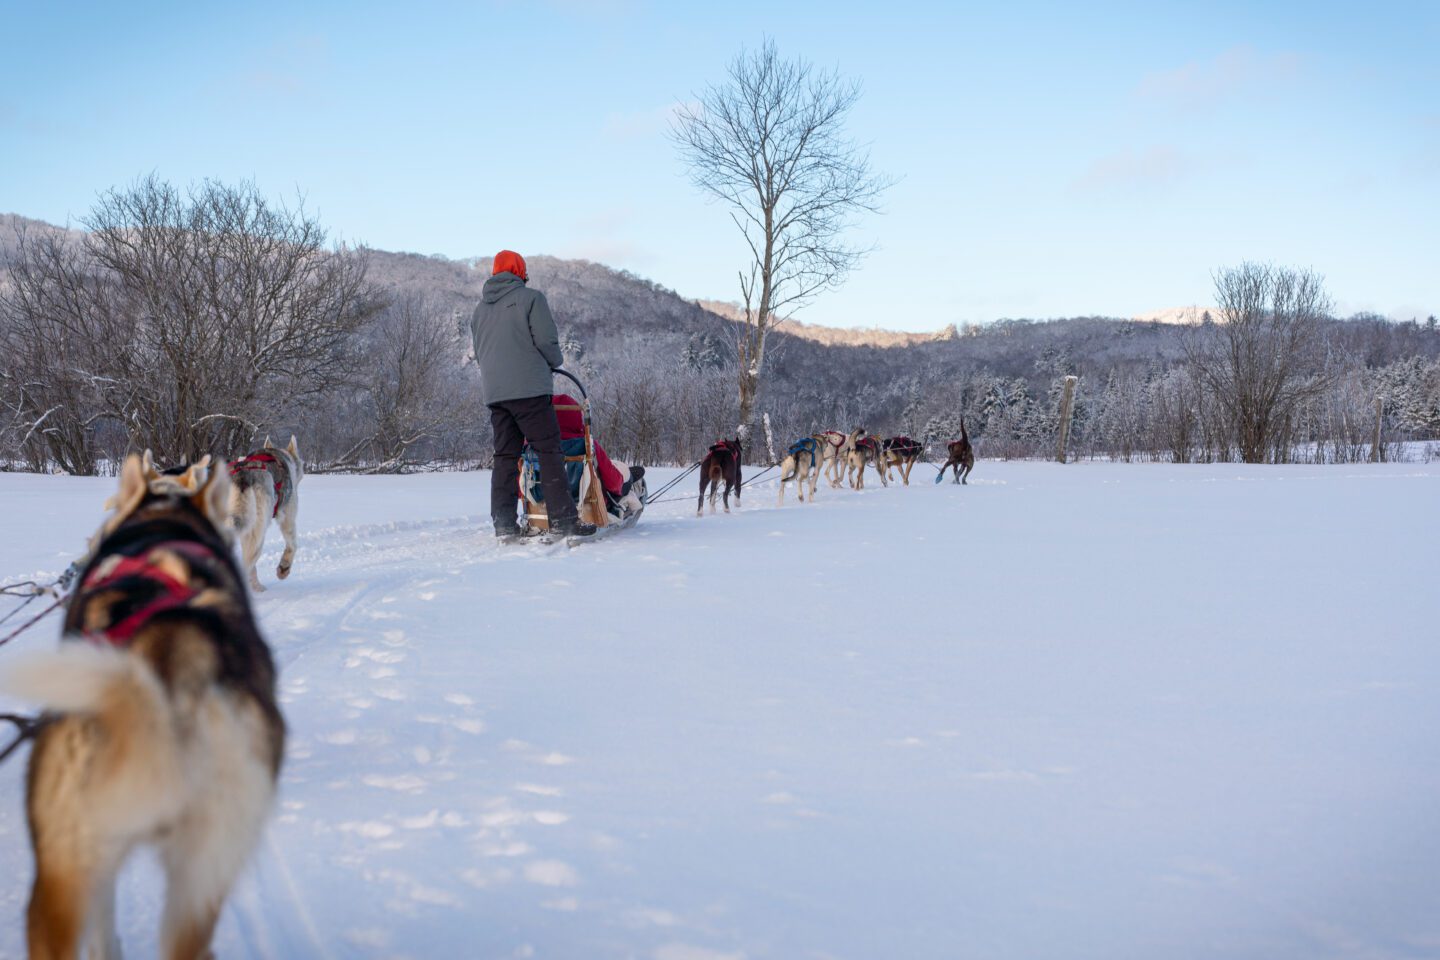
x: 293, y: 447
x: 213, y: 498
x: 133, y: 487
x: 147, y: 466
x: 267, y: 444
x: 195, y: 478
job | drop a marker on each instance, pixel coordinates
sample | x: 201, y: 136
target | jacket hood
x: 499, y: 286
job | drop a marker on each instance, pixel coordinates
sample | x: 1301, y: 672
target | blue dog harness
x: 804, y: 446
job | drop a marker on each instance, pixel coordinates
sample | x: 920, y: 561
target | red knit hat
x: 508, y: 261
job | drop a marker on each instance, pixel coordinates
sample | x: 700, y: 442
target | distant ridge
x: 1182, y: 315
x: 838, y: 336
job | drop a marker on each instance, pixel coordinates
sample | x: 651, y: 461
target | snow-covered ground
x: 1098, y: 711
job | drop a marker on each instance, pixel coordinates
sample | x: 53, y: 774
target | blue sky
x: 1054, y: 159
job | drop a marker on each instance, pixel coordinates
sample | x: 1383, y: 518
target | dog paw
x: 282, y: 571
x: 256, y: 586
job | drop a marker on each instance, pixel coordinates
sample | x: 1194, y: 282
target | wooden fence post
x: 1067, y: 403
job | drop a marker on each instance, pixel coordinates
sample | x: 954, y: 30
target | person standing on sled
x: 517, y: 349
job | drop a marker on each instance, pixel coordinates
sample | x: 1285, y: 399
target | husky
x: 902, y: 453
x: 162, y: 726
x: 802, y: 466
x: 868, y: 450
x: 834, y: 449
x: 265, y: 487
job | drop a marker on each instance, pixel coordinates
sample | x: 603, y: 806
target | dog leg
x: 287, y: 529
x: 205, y: 850
x: 73, y: 899
x: 252, y: 540
x: 102, y: 942
x: 56, y: 917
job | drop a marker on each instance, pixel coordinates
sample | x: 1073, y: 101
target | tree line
x: 199, y: 320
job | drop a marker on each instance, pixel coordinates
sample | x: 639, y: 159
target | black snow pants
x: 514, y: 422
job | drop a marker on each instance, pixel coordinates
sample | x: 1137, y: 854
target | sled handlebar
x: 560, y: 372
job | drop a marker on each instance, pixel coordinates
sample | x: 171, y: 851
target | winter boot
x: 579, y: 528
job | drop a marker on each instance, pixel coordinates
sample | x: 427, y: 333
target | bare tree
x: 240, y: 303
x: 67, y: 335
x: 769, y: 143
x: 1264, y: 358
x: 412, y: 362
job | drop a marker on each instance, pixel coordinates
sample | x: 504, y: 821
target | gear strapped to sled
x: 272, y: 465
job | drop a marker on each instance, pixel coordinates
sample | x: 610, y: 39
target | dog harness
x: 268, y: 462
x: 168, y: 593
x: 807, y: 445
x: 834, y: 437
x: 903, y: 446
x: 725, y: 446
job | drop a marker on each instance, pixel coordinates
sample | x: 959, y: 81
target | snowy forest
x: 203, y: 320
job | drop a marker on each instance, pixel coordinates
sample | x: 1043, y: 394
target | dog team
x: 842, y: 458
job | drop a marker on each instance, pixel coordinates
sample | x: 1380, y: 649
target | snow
x: 1096, y: 711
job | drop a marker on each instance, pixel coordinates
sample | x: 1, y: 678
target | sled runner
x: 608, y: 514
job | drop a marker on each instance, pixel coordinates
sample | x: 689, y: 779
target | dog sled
x: 610, y: 514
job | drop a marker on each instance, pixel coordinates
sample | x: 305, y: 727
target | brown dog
x: 163, y: 728
x: 721, y: 463
x: 962, y: 456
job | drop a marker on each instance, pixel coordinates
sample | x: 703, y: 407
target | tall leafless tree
x: 1264, y: 358
x: 769, y: 142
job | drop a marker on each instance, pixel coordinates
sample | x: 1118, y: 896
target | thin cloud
x: 1204, y: 83
x: 1136, y: 168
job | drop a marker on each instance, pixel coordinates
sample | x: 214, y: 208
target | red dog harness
x: 259, y: 461
x: 172, y: 593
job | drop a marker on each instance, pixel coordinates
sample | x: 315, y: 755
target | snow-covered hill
x: 1098, y: 711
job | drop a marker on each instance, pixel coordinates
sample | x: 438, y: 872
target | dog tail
x: 963, y: 435
x: 238, y: 518
x: 144, y: 767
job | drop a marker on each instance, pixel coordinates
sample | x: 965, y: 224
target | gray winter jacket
x: 516, y: 343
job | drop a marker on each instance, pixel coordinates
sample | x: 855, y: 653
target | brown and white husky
x: 162, y: 728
